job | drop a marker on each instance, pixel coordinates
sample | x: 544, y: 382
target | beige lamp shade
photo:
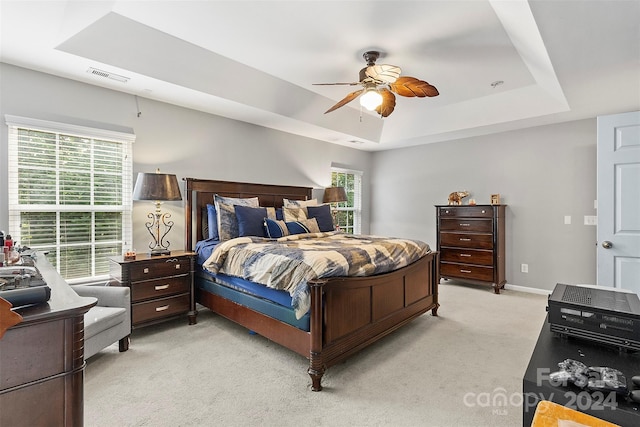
x: 334, y: 195
x: 156, y: 186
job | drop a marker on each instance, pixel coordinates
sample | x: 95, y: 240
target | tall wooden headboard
x: 199, y: 193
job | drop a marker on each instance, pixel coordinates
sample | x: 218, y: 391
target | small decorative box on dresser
x: 471, y: 243
x: 161, y: 286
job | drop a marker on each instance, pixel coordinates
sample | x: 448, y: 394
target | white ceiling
x: 256, y: 61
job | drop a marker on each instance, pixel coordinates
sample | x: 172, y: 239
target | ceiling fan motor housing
x: 371, y: 57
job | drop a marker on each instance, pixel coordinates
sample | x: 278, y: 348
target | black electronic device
x: 603, y: 315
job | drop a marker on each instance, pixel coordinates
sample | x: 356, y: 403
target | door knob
x: 607, y: 244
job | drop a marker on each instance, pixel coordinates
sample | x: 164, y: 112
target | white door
x: 619, y: 201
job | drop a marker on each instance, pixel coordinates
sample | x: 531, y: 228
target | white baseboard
x: 528, y: 289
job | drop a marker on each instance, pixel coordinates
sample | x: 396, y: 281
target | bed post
x: 316, y: 362
x: 435, y: 281
x: 187, y: 214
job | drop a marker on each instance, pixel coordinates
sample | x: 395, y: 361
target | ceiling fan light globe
x: 371, y: 99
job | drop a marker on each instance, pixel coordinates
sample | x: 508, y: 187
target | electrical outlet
x: 524, y: 268
x: 590, y: 220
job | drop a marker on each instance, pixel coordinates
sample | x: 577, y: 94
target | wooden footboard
x: 349, y: 313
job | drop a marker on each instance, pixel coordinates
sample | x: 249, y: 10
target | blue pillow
x: 212, y: 219
x: 250, y: 221
x: 275, y: 228
x: 303, y: 226
x: 323, y: 215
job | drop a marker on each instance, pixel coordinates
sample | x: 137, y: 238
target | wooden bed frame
x: 347, y: 313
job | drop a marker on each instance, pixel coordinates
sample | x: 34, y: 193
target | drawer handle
x: 461, y: 271
x: 162, y: 287
x: 162, y: 308
x: 465, y: 225
x: 468, y: 255
x: 145, y: 271
x: 464, y: 239
x: 174, y: 260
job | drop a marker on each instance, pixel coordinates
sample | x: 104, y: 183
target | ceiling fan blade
x: 347, y: 99
x: 334, y: 84
x: 388, y: 102
x: 384, y: 72
x: 410, y: 86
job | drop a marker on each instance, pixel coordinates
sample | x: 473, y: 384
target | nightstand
x: 161, y: 286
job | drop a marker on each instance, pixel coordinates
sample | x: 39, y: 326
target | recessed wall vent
x: 108, y: 75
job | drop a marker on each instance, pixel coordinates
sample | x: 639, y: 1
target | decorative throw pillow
x: 251, y: 220
x: 275, y: 228
x: 212, y: 223
x: 304, y: 226
x: 290, y: 203
x: 230, y: 220
x: 294, y: 214
x: 227, y: 221
x: 323, y: 215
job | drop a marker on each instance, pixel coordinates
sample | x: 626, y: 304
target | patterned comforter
x: 290, y: 262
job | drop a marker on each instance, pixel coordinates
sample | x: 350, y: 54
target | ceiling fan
x: 379, y: 83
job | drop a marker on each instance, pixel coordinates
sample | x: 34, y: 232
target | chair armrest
x: 108, y: 296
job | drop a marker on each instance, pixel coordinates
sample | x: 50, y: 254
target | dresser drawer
x: 467, y: 240
x: 159, y: 288
x: 159, y: 308
x: 466, y: 211
x: 152, y: 269
x: 467, y: 256
x: 466, y: 224
x: 465, y: 271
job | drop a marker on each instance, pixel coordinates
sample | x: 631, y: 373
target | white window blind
x: 70, y: 194
x: 350, y: 212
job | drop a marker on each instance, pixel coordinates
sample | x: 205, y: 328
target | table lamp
x: 334, y: 195
x: 158, y: 187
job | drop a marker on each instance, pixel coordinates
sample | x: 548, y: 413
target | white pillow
x: 290, y: 203
x: 294, y: 214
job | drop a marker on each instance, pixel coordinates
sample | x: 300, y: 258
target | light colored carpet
x: 435, y: 371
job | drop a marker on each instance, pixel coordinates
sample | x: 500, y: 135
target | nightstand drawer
x: 466, y: 211
x: 159, y: 308
x: 465, y: 271
x: 159, y: 288
x: 464, y: 240
x: 152, y: 269
x: 467, y: 256
x: 466, y: 224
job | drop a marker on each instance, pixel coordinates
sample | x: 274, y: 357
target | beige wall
x: 177, y: 140
x: 542, y: 174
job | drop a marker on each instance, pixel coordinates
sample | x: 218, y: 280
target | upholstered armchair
x: 109, y: 320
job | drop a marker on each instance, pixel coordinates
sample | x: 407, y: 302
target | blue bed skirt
x: 271, y: 302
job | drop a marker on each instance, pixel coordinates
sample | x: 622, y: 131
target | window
x: 349, y: 213
x: 70, y: 194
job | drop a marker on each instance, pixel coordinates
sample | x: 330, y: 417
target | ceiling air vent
x: 107, y: 75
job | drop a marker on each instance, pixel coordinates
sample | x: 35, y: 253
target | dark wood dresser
x: 161, y: 286
x: 42, y: 359
x: 471, y: 242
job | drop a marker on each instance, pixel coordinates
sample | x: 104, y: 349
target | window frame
x: 354, y: 194
x: 93, y: 245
